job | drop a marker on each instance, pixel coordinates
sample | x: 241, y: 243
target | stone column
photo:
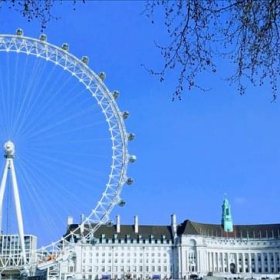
x: 210, y: 261
x: 212, y: 256
x: 228, y: 262
x: 205, y: 260
x: 187, y: 261
x: 256, y: 263
x: 237, y: 262
x: 269, y: 262
x: 243, y: 263
x: 218, y: 262
x: 180, y: 262
x: 198, y: 261
x: 249, y: 263
x: 262, y: 262
x: 275, y: 262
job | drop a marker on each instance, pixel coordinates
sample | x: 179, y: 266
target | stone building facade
x: 177, y: 251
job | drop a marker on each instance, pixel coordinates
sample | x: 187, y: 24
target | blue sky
x: 189, y: 152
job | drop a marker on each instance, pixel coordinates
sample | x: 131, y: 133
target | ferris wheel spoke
x: 33, y: 79
x: 38, y: 178
x: 46, y: 102
x: 13, y: 94
x: 46, y: 118
x: 33, y: 196
x: 20, y: 92
x: 27, y: 81
x: 3, y: 112
x: 70, y: 165
x: 62, y: 188
x: 43, y: 177
x: 62, y: 122
x: 60, y: 133
x: 8, y: 91
x: 37, y: 100
x: 30, y: 183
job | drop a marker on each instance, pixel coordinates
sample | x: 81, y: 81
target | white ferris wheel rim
x: 113, y: 116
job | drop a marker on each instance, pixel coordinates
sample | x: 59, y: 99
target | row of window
x: 109, y: 269
x: 127, y: 248
x: 133, y: 241
x: 245, y: 242
x: 123, y: 276
x: 125, y: 261
x: 254, y: 270
x: 116, y: 254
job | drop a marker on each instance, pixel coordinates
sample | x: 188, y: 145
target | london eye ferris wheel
x: 65, y: 145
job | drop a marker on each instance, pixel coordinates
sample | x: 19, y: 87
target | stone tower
x: 226, y: 216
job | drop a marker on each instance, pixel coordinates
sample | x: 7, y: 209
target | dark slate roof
x: 239, y: 231
x: 185, y: 228
x: 146, y: 231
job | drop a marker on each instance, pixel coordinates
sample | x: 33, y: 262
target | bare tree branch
x: 245, y: 32
x: 35, y: 9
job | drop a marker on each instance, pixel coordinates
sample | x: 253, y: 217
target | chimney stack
x: 136, y: 225
x: 174, y: 225
x: 118, y: 223
x: 82, y: 228
x: 70, y: 221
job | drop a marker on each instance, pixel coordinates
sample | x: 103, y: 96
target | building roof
x: 146, y: 231
x: 239, y: 231
x: 159, y: 232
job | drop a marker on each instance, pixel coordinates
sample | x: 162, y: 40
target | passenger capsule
x: 93, y: 241
x: 65, y: 47
x: 19, y: 32
x: 129, y: 181
x: 125, y: 115
x: 85, y: 60
x: 132, y: 158
x: 116, y: 94
x: 43, y: 37
x: 102, y: 76
x: 121, y: 203
x: 130, y: 136
x: 109, y: 223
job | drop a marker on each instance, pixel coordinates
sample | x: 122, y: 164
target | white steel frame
x: 113, y: 116
x: 9, y: 167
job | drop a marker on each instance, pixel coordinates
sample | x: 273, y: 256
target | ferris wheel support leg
x: 2, y: 191
x: 18, y: 210
x: 47, y: 274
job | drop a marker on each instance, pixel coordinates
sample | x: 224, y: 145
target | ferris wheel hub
x: 9, y: 149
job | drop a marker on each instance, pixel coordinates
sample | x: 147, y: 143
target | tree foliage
x: 40, y: 10
x: 201, y: 32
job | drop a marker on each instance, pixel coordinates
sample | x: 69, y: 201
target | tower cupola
x: 226, y: 216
